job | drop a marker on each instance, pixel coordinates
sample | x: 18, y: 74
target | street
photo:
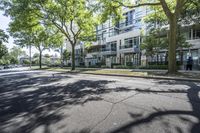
x: 51, y: 102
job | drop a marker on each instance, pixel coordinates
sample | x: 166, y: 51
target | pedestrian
x: 189, y: 63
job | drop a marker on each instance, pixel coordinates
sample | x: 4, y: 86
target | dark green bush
x: 124, y: 67
x: 129, y: 63
x: 154, y: 67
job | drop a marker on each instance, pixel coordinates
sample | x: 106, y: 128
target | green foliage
x: 12, y: 57
x: 17, y: 52
x: 26, y: 62
x: 3, y: 50
x: 36, y: 55
x: 47, y: 56
x: 123, y: 67
x: 154, y: 67
x: 5, y: 60
x: 13, y: 60
x: 66, y: 55
x: 154, y: 42
x: 3, y: 37
x: 75, y: 19
x: 47, y: 61
x: 157, y: 40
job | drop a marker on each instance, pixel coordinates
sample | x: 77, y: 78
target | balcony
x: 195, y: 43
x: 129, y: 49
x: 109, y: 51
x: 94, y: 50
x: 126, y: 46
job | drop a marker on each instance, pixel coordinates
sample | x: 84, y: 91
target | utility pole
x: 30, y: 58
x: 61, y: 55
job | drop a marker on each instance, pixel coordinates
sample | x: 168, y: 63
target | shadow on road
x: 193, y: 99
x: 28, y: 102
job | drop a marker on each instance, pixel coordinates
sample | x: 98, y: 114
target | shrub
x: 104, y: 66
x: 124, y: 67
x: 115, y: 64
x: 154, y: 67
x: 129, y: 63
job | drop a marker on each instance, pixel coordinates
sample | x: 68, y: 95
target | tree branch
x: 138, y: 5
x: 166, y: 8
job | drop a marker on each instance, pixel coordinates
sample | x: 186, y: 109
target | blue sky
x: 4, y: 22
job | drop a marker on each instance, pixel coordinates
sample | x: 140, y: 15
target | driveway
x: 50, y: 102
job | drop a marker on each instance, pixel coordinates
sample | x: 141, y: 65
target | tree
x: 26, y: 62
x: 171, y: 8
x: 13, y: 60
x: 153, y: 43
x: 66, y: 55
x: 3, y: 37
x: 39, y: 37
x: 156, y: 40
x: 17, y: 51
x: 36, y: 58
x: 157, y: 36
x: 3, y: 48
x: 47, y: 56
x: 73, y: 18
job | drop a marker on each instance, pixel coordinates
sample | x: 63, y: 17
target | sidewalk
x: 182, y: 75
x: 153, y: 70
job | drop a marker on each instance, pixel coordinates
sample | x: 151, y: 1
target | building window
x: 131, y: 42
x: 196, y: 34
x: 113, y: 45
x: 128, y: 18
x: 136, y: 42
x: 110, y: 46
x: 128, y: 43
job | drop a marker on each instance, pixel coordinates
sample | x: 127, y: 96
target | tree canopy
x: 3, y: 38
x: 75, y: 19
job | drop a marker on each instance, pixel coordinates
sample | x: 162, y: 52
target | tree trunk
x: 73, y: 57
x: 172, y: 45
x: 40, y: 59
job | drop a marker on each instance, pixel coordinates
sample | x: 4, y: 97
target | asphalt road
x: 50, y: 102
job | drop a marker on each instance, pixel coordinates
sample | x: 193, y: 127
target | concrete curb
x: 145, y: 77
x: 148, y: 77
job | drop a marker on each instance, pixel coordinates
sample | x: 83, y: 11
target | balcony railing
x: 126, y: 46
x: 108, y: 49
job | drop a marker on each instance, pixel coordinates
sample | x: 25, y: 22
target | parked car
x: 6, y: 67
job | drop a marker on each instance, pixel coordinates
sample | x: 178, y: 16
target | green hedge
x: 154, y: 67
x: 124, y: 67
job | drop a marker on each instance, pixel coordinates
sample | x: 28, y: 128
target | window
x: 113, y: 45
x: 128, y: 43
x: 136, y: 42
x: 196, y: 33
x: 138, y: 21
x: 128, y: 18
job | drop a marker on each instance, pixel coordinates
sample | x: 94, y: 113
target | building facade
x: 120, y: 43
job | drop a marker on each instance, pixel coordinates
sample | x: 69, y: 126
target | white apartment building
x: 120, y: 43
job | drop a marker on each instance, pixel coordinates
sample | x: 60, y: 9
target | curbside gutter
x: 121, y: 75
x: 148, y: 77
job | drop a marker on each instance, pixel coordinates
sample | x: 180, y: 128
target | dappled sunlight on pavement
x: 49, y: 102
